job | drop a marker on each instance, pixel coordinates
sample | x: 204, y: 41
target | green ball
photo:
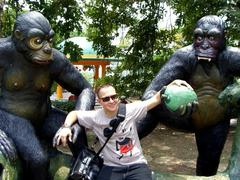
x: 177, y: 96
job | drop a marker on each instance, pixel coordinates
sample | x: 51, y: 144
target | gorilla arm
x: 71, y: 79
x: 179, y: 66
x: 230, y: 61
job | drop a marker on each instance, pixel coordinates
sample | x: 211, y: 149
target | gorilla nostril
x: 47, y: 50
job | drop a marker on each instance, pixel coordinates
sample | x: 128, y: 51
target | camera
x: 87, y: 166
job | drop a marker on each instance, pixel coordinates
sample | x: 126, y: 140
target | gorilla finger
x: 189, y: 109
x: 164, y: 97
x: 163, y: 90
x: 179, y: 82
x: 187, y: 85
x: 182, y: 110
x: 74, y: 137
x: 7, y: 147
x: 55, y: 141
x: 3, y: 151
x: 175, y: 82
x: 189, y: 105
x: 70, y: 137
x: 196, y: 103
x: 194, y: 106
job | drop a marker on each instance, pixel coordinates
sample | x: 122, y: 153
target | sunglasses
x: 106, y: 99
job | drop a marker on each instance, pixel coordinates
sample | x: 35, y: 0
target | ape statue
x: 208, y: 66
x: 28, y: 67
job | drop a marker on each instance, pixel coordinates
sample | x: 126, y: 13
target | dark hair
x: 101, y: 87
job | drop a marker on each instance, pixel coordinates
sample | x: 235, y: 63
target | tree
x: 189, y: 11
x: 65, y: 16
x: 139, y: 60
x: 150, y: 46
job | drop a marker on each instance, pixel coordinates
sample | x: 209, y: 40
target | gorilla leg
x: 210, y: 143
x: 53, y: 122
x: 35, y: 159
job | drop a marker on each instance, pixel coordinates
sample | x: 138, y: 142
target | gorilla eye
x: 38, y: 41
x: 213, y: 34
x: 199, y: 38
x: 35, y: 43
x: 198, y: 34
x: 50, y: 40
x: 211, y: 38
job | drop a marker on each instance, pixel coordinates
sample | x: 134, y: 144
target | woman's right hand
x: 63, y: 135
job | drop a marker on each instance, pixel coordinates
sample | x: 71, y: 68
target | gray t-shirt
x: 124, y: 147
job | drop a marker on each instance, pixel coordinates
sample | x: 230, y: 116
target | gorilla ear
x: 18, y: 34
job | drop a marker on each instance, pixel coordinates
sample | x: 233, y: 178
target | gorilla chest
x: 207, y: 78
x: 19, y: 78
x: 208, y: 82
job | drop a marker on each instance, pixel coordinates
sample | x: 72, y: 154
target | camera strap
x: 120, y: 118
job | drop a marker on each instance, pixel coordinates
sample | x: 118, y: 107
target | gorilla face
x: 207, y: 42
x: 209, y: 38
x: 40, y: 47
x: 33, y: 37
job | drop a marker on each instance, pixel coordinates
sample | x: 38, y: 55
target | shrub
x: 66, y: 106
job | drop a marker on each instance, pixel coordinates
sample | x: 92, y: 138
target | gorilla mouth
x: 204, y: 58
x: 42, y: 62
x: 207, y: 55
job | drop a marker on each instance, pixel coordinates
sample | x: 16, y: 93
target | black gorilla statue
x: 208, y: 65
x: 28, y: 67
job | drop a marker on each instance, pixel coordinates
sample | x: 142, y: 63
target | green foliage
x: 7, y: 21
x: 66, y: 106
x: 189, y: 11
x: 140, y: 66
x: 65, y: 17
x: 148, y: 46
x: 104, y: 80
x: 54, y: 87
x: 106, y: 18
x: 73, y: 50
x: 138, y: 61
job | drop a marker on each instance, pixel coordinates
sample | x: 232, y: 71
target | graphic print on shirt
x: 124, y: 144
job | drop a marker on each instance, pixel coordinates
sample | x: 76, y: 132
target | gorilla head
x: 209, y: 38
x: 32, y: 36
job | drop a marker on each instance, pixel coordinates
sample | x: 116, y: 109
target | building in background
x: 90, y: 65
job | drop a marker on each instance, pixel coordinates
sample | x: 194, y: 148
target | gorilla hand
x: 75, y: 131
x: 186, y: 111
x: 179, y: 99
x: 7, y: 148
